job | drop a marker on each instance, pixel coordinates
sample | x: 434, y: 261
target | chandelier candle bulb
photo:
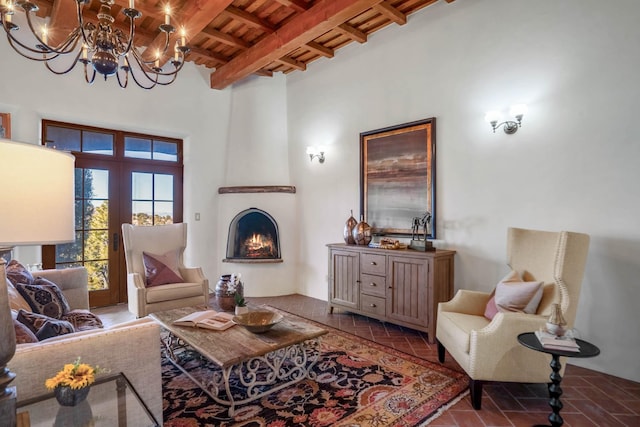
x: 167, y: 11
x: 131, y: 4
x: 183, y: 37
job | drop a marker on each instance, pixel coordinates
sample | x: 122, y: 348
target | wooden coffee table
x: 262, y: 363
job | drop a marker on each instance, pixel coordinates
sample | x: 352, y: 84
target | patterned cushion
x: 23, y: 333
x: 16, y: 302
x: 82, y: 320
x: 44, y: 297
x: 161, y: 269
x: 43, y: 326
x: 17, y: 273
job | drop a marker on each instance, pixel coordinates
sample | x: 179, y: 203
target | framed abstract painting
x: 397, y: 177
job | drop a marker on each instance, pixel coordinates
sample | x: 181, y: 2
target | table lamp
x: 37, y: 208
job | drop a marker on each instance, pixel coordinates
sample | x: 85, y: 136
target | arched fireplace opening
x: 253, y: 237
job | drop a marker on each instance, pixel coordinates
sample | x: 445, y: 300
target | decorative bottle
x: 556, y: 324
x: 348, y: 230
x: 362, y: 232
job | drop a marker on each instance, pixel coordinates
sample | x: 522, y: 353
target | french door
x: 125, y: 185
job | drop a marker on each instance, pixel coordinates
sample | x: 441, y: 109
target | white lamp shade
x: 37, y: 204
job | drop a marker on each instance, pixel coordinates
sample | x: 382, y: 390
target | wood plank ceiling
x: 237, y: 38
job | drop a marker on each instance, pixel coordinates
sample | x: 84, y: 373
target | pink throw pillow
x: 161, y: 269
x: 515, y: 295
x: 491, y: 310
x: 518, y: 296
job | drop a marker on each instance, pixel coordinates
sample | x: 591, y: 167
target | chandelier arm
x: 71, y: 67
x: 135, y: 79
x: 173, y: 78
x: 140, y: 60
x: 41, y: 56
x: 86, y: 75
x: 79, y: 8
x: 60, y: 49
x: 126, y: 79
x: 132, y: 33
x: 68, y: 45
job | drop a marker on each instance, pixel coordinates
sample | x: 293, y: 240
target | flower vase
x: 224, y: 295
x: 67, y: 396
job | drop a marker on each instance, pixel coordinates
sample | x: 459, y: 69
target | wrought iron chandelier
x: 103, y: 45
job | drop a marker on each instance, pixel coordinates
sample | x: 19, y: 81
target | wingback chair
x: 159, y: 240
x: 488, y: 350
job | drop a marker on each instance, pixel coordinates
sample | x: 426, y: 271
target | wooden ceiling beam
x: 225, y: 38
x: 297, y: 5
x: 264, y: 73
x: 391, y: 13
x: 207, y: 54
x: 304, y: 28
x: 249, y: 19
x: 353, y: 33
x: 320, y: 50
x: 285, y: 60
x: 195, y: 16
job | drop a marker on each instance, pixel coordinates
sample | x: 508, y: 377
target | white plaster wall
x: 187, y: 109
x: 572, y: 165
x: 258, y: 154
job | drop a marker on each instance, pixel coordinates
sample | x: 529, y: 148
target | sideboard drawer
x: 373, y: 264
x: 371, y: 304
x: 373, y: 285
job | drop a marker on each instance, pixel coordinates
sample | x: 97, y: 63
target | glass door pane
x: 91, y: 246
x: 152, y: 198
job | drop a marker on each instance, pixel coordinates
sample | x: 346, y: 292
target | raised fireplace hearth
x: 253, y: 238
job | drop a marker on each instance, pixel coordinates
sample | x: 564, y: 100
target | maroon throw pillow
x: 23, y: 333
x: 82, y: 320
x: 157, y: 269
x: 17, y: 273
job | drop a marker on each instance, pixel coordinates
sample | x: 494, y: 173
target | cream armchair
x: 489, y: 350
x: 159, y: 240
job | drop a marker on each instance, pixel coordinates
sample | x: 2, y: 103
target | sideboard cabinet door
x: 344, y: 279
x: 407, y: 296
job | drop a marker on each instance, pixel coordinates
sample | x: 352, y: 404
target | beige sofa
x: 117, y: 348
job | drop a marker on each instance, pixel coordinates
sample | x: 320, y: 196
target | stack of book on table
x: 553, y: 342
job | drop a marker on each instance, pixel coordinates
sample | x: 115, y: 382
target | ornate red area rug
x: 359, y: 384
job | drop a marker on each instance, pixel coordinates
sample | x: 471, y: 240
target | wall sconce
x: 510, y: 127
x: 316, y: 152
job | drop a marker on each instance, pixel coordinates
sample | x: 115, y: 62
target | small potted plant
x: 72, y: 384
x: 241, y: 304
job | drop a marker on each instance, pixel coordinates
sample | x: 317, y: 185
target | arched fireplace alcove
x: 253, y: 237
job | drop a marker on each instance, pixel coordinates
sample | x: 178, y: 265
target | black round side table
x: 529, y: 340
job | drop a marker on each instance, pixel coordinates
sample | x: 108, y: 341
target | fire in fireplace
x: 253, y: 235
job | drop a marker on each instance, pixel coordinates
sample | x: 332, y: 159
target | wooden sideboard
x: 401, y: 286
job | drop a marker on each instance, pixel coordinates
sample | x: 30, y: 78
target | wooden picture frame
x: 398, y: 176
x: 5, y: 125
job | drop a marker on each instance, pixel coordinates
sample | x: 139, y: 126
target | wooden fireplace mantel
x: 257, y: 189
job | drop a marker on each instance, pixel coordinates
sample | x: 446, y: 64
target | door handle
x: 116, y: 241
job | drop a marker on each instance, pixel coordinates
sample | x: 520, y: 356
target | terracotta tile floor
x: 590, y: 398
